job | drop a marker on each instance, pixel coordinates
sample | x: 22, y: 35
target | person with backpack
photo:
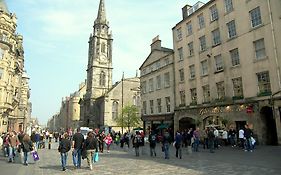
x: 137, y: 140
x: 91, y: 146
x: 152, y: 143
x: 64, y: 147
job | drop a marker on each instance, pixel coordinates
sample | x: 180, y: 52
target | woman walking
x: 108, y: 141
x: 91, y: 147
x: 64, y: 147
x: 27, y: 146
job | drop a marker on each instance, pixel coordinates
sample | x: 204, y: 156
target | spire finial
x: 101, y: 18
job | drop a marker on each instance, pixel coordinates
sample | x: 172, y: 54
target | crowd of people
x: 88, y: 147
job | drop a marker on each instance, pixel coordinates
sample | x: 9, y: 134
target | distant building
x: 157, y: 87
x: 227, y: 66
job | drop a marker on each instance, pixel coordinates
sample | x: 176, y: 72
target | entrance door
x: 186, y: 123
x: 270, y: 133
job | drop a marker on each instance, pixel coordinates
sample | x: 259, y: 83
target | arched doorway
x: 269, y: 133
x: 186, y: 123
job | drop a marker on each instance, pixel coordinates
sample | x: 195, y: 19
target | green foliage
x: 130, y: 117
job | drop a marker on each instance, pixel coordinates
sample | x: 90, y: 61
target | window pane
x: 255, y: 17
x: 234, y: 54
x: 231, y: 29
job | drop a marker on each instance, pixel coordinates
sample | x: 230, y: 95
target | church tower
x: 99, y: 70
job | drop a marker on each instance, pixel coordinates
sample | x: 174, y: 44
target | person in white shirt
x: 241, y: 138
x: 216, y: 141
x: 224, y: 137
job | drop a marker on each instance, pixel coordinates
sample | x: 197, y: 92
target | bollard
x: 49, y: 146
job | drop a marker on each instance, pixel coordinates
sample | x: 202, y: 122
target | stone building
x: 227, y: 66
x: 15, y: 107
x: 157, y: 87
x: 109, y: 106
x: 69, y: 115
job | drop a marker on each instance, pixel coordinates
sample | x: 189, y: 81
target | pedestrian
x: 178, y: 144
x: 37, y: 138
x: 165, y: 143
x: 108, y: 141
x: 224, y: 137
x: 241, y: 138
x: 27, y: 147
x: 232, y: 136
x: 248, y: 133
x: 211, y: 139
x: 64, y: 147
x: 13, y: 144
x: 216, y: 141
x: 91, y: 146
x: 196, y: 137
x: 77, y: 145
x: 152, y: 143
x: 137, y: 142
x: 101, y: 141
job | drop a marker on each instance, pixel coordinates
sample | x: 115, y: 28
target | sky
x: 56, y: 35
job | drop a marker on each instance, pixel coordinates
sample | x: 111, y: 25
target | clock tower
x: 99, y: 70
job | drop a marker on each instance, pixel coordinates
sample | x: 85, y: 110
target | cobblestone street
x: 264, y: 160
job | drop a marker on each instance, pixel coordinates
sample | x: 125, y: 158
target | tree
x: 129, y: 118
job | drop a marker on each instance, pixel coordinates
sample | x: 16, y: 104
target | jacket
x: 91, y: 143
x: 27, y: 146
x: 64, y: 146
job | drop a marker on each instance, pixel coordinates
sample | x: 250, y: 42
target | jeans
x: 211, y: 145
x: 137, y: 150
x: 76, y: 157
x: 196, y: 144
x: 25, y: 157
x: 90, y: 154
x: 152, y: 151
x: 249, y: 146
x: 37, y: 145
x: 63, y: 159
x: 166, y: 150
x: 178, y: 151
x: 12, y: 153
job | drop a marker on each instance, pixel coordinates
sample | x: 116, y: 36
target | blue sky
x: 56, y: 34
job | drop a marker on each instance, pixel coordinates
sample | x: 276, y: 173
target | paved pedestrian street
x: 264, y: 160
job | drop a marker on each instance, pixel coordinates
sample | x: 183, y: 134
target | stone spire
x: 3, y: 6
x: 101, y: 18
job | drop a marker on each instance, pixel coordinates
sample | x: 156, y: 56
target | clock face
x: 103, y: 59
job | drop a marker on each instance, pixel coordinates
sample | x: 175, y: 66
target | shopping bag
x: 96, y: 157
x: 35, y: 155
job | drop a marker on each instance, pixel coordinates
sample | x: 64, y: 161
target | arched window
x: 103, y: 48
x: 114, y: 110
x: 102, y: 78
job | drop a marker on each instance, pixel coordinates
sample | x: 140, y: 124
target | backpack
x: 137, y: 139
x: 153, y: 138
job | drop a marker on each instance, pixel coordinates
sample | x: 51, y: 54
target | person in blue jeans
x: 196, y: 137
x: 77, y: 144
x: 166, y: 142
x: 64, y: 147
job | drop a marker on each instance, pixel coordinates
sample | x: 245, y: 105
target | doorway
x: 186, y: 123
x: 269, y: 132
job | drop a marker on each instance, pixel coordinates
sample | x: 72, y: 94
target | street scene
x: 123, y: 161
x: 146, y: 87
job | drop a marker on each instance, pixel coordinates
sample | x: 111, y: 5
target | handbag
x: 35, y: 155
x: 96, y: 157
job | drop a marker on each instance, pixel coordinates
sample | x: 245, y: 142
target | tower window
x: 102, y: 78
x: 103, y: 48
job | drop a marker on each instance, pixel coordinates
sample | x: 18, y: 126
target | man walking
x: 77, y: 144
